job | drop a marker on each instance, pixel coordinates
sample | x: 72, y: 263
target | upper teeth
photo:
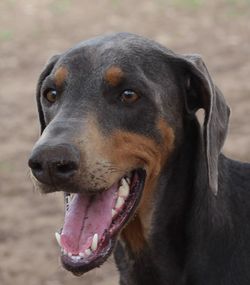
x: 128, y: 179
x: 58, y: 238
x: 124, y: 188
x: 120, y: 201
x: 123, y: 193
x: 67, y: 199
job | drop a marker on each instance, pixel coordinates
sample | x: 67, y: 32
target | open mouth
x: 92, y: 223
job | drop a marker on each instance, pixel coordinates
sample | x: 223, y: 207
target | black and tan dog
x: 119, y: 130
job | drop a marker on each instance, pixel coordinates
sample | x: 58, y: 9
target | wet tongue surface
x: 85, y: 217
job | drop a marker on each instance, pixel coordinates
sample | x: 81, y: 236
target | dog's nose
x: 54, y: 164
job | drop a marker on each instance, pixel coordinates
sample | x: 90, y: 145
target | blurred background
x: 30, y: 32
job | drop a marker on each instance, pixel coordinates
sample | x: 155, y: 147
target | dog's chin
x: 93, y: 222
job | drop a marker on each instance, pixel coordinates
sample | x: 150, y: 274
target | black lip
x: 108, y: 244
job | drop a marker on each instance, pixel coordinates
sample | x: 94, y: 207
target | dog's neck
x: 162, y: 260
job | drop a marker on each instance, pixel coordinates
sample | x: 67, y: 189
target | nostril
x: 35, y: 165
x: 66, y: 167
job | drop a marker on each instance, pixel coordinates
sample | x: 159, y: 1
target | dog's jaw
x: 92, y: 223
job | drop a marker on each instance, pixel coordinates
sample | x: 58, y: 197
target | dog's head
x: 111, y: 112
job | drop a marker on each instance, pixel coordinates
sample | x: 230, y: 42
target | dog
x: 141, y: 175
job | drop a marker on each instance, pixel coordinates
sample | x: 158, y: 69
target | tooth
x: 69, y: 254
x: 67, y: 200
x: 88, y: 252
x: 58, y: 238
x: 124, y: 189
x: 120, y: 201
x: 113, y: 212
x: 128, y: 180
x: 81, y: 254
x: 125, y: 181
x: 65, y: 252
x: 94, y: 242
x: 76, y: 257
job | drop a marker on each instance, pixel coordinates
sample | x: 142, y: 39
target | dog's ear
x: 45, y: 72
x: 202, y: 93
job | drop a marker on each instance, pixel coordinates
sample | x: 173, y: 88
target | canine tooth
x: 65, y: 252
x: 120, y: 201
x: 58, y: 238
x: 113, y: 212
x: 124, y: 189
x: 94, y: 242
x: 70, y: 254
x: 88, y: 252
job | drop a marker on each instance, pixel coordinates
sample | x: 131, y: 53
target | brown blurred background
x: 30, y: 32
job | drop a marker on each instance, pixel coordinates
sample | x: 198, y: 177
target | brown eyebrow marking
x: 113, y: 75
x: 60, y: 76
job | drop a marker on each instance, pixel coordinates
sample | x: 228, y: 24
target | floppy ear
x: 45, y: 72
x: 202, y: 93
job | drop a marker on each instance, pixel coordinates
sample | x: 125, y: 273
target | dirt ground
x: 30, y: 32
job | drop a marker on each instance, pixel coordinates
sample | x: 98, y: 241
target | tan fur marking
x: 113, y: 156
x: 97, y: 169
x: 113, y: 75
x: 133, y: 150
x: 60, y: 76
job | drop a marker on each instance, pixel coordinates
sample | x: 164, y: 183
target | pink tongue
x: 87, y: 216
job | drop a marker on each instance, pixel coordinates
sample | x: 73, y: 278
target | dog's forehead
x: 121, y: 49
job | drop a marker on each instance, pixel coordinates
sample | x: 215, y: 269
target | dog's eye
x: 51, y: 95
x: 129, y: 96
